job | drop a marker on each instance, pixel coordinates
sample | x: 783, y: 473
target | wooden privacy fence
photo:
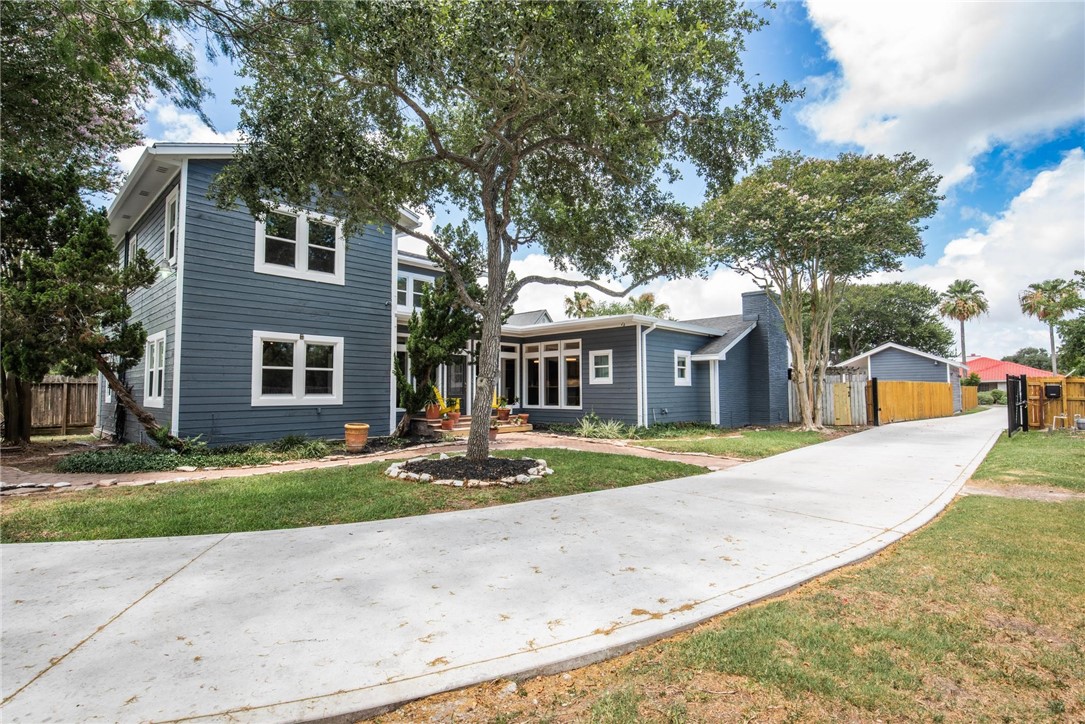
x: 59, y: 403
x: 898, y: 401
x: 843, y: 398
x: 1056, y: 411
x: 970, y: 397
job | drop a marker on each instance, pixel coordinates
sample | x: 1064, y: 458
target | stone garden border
x: 396, y: 472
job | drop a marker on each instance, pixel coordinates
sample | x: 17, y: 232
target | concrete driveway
x: 323, y: 622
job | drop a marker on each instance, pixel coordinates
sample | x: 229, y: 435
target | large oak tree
x: 551, y: 125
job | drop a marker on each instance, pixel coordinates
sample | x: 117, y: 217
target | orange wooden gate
x: 1059, y: 411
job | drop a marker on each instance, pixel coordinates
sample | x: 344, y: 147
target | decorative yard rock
x: 62, y: 485
x: 185, y: 468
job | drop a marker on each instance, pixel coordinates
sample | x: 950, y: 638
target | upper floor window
x: 154, y: 371
x: 682, y: 368
x: 409, y: 290
x: 296, y: 369
x: 301, y: 245
x: 169, y: 243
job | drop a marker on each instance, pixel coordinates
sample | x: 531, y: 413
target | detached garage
x: 895, y: 362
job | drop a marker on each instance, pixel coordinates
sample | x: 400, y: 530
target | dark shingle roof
x: 729, y: 327
x: 525, y: 319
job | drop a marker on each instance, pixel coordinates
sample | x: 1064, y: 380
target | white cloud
x: 945, y: 80
x: 172, y: 125
x: 1040, y: 235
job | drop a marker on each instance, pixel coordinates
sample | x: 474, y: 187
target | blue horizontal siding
x: 668, y: 402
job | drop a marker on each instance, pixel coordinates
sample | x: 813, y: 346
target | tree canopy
x: 75, y: 71
x: 903, y: 312
x: 549, y: 124
x: 806, y: 227
x: 581, y: 304
x: 1049, y: 301
x: 1030, y: 357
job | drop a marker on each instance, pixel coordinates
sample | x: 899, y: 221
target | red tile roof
x: 994, y: 370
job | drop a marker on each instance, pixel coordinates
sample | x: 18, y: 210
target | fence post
x: 64, y: 409
x: 874, y: 401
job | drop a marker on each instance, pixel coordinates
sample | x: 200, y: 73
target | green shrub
x: 999, y: 397
x: 986, y: 398
x: 675, y: 429
x: 591, y: 425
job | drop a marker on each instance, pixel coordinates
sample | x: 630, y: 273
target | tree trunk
x: 1054, y: 362
x: 17, y: 409
x: 964, y: 355
x: 478, y: 440
x: 156, y: 432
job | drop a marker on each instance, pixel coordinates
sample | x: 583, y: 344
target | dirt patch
x: 1020, y: 492
x: 43, y: 456
x: 460, y: 468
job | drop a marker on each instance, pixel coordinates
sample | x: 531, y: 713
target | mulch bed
x: 460, y: 468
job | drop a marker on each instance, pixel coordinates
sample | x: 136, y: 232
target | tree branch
x: 561, y: 281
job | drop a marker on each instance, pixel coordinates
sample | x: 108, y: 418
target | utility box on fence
x: 1052, y: 390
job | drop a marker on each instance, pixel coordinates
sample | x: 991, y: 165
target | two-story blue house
x: 260, y: 329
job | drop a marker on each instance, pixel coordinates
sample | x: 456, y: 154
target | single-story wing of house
x: 288, y: 325
x: 893, y: 361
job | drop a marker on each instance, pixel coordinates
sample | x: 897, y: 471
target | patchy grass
x: 971, y: 619
x: 292, y: 500
x: 1036, y: 458
x: 746, y: 444
x: 981, y: 408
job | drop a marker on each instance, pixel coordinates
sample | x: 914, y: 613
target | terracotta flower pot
x: 523, y: 418
x: 433, y: 412
x: 493, y: 434
x: 502, y: 413
x: 455, y: 417
x: 356, y: 433
x: 448, y: 423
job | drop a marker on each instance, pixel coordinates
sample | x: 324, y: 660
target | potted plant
x: 433, y: 408
x: 357, y: 434
x: 447, y: 423
x: 523, y: 418
x: 493, y: 431
x: 454, y: 415
x: 502, y: 409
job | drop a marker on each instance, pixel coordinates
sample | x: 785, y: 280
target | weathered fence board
x: 969, y: 397
x: 1058, y: 412
x: 60, y: 403
x: 843, y: 400
x: 899, y: 401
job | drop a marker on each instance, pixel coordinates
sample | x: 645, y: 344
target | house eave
x: 609, y: 322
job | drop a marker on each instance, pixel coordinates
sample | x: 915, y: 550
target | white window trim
x: 107, y: 394
x: 299, y: 397
x: 592, y: 379
x: 173, y: 198
x: 300, y: 270
x: 687, y: 381
x: 542, y: 354
x: 411, y: 279
x: 151, y: 349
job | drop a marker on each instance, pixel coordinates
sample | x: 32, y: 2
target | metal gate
x: 1016, y: 404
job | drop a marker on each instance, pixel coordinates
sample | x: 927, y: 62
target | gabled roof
x: 731, y: 329
x: 994, y: 370
x: 893, y: 345
x: 523, y: 319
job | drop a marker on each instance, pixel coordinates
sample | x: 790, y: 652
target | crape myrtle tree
x: 803, y: 228
x: 550, y: 125
x: 1049, y: 301
x: 873, y: 314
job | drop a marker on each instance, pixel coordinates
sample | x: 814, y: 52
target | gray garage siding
x: 768, y: 361
x: 896, y: 364
x: 154, y: 307
x: 225, y: 300
x: 682, y: 404
x: 734, y: 385
x: 617, y: 401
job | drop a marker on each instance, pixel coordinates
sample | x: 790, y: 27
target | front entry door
x: 456, y: 381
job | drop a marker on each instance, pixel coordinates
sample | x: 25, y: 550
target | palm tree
x: 579, y: 305
x: 1049, y: 301
x: 646, y: 304
x: 963, y: 300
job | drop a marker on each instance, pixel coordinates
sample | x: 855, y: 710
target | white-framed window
x: 154, y: 371
x: 107, y: 391
x: 296, y: 369
x: 301, y: 245
x: 552, y: 377
x: 683, y: 368
x: 169, y: 242
x: 133, y: 246
x: 601, y: 367
x: 409, y: 290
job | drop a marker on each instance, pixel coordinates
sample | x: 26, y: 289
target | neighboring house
x: 258, y: 330
x: 893, y: 361
x: 993, y: 372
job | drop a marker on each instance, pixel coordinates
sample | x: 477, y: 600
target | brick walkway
x: 36, y: 482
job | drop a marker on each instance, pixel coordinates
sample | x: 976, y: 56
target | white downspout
x: 642, y: 370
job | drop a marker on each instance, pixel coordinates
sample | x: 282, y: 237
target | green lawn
x: 745, y: 444
x: 291, y: 500
x: 1036, y: 458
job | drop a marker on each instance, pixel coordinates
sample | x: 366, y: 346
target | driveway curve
x: 335, y: 622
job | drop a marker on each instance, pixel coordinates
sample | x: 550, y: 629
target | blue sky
x: 993, y: 94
